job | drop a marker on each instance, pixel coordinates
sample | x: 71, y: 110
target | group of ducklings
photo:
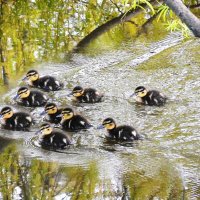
x: 66, y: 117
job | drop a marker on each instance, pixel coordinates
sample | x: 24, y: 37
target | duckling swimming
x: 122, y: 133
x: 53, y: 113
x: 87, y: 95
x: 53, y: 138
x: 18, y: 121
x: 30, y: 98
x: 151, y: 97
x: 47, y: 83
x: 72, y: 122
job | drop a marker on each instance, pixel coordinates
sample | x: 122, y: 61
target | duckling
x: 52, y: 138
x: 47, y: 83
x: 87, y: 95
x: 72, y: 122
x: 30, y: 98
x: 151, y: 97
x: 18, y: 121
x: 122, y: 133
x: 53, y: 112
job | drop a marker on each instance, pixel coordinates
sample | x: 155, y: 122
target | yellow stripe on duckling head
x: 67, y: 113
x: 109, y: 123
x: 141, y: 91
x: 23, y: 92
x: 6, y: 112
x: 46, y: 129
x: 78, y: 91
x: 32, y: 75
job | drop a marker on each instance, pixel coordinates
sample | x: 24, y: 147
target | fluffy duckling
x: 122, y: 133
x: 47, y: 83
x: 72, y: 122
x: 53, y: 113
x: 18, y: 121
x: 30, y: 98
x: 52, y: 138
x: 87, y: 95
x: 151, y: 97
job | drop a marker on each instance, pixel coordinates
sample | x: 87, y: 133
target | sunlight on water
x: 171, y: 131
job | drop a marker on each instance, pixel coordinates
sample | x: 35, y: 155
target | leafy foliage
x: 171, y: 21
x: 31, y: 31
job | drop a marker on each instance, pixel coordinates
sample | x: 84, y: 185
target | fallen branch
x: 110, y: 24
x: 194, y: 6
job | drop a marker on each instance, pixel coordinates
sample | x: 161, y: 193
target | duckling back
x: 90, y: 95
x: 19, y: 121
x: 154, y: 98
x: 48, y: 83
x: 76, y: 123
x: 56, y: 140
x: 35, y: 99
x: 124, y: 133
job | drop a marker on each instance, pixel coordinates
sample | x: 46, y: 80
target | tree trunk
x: 185, y: 15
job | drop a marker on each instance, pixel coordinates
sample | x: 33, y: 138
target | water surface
x: 165, y: 165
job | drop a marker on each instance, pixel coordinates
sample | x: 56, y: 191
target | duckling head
x: 23, y: 92
x: 77, y: 91
x: 50, y: 108
x: 140, y: 91
x: 32, y: 75
x: 6, y: 112
x: 45, y: 129
x: 67, y: 113
x: 108, y: 123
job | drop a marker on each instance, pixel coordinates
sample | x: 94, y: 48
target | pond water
x: 165, y: 165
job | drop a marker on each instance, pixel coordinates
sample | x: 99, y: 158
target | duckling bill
x: 119, y: 133
x: 72, y: 122
x: 53, y: 113
x: 18, y: 121
x: 151, y: 97
x: 87, y: 95
x: 47, y: 83
x: 30, y: 98
x: 53, y: 138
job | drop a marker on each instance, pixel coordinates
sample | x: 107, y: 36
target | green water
x: 163, y: 166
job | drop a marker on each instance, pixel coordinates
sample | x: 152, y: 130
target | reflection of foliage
x: 46, y: 180
x: 82, y: 183
x: 31, y: 31
x: 43, y: 180
x: 45, y: 28
x: 165, y: 184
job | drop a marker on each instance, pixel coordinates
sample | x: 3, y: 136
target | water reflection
x: 35, y: 31
x: 36, y: 179
x: 23, y: 178
x: 31, y: 31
